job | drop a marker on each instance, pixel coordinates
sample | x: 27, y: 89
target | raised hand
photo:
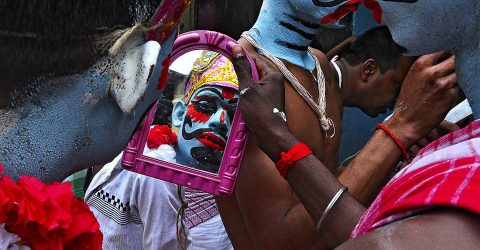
x: 429, y: 91
x: 261, y: 103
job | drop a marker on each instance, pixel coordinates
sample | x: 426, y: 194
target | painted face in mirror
x: 202, y: 103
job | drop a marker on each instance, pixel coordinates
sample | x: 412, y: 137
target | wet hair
x: 52, y: 37
x: 377, y: 44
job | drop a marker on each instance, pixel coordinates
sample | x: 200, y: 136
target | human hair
x: 377, y: 44
x: 54, y: 37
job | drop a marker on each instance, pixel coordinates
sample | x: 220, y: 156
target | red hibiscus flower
x: 160, y: 135
x: 47, y: 216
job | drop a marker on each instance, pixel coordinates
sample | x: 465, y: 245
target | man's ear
x: 131, y: 69
x: 178, y: 114
x: 368, y: 69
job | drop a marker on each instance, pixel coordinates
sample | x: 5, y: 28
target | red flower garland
x: 160, y: 135
x: 47, y: 216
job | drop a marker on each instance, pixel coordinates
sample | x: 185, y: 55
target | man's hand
x: 259, y: 99
x: 429, y: 91
x: 444, y: 128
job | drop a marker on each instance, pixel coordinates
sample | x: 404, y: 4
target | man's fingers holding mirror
x: 242, y: 69
x: 264, y: 66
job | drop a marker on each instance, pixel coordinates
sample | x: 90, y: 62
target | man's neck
x: 286, y: 36
x: 345, y: 91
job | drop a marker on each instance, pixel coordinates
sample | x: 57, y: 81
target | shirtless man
x: 441, y: 184
x: 264, y: 212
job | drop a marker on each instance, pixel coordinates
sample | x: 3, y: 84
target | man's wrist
x: 404, y: 132
x: 276, y: 141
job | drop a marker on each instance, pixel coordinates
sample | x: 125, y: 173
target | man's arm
x: 310, y: 179
x: 447, y: 228
x: 233, y: 221
x: 273, y: 214
x: 428, y: 92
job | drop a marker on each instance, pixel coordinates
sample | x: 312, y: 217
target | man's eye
x: 206, y: 106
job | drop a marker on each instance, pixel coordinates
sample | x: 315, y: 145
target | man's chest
x: 303, y: 121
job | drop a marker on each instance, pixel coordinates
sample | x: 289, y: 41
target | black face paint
x: 231, y: 108
x: 306, y: 35
x: 205, y: 106
x: 210, y: 159
x: 307, y: 24
x: 291, y: 45
x: 327, y: 4
x: 402, y: 1
x: 188, y: 136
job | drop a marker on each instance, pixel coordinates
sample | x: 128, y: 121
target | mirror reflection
x: 193, y: 119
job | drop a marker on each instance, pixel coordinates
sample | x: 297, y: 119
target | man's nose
x: 220, y: 122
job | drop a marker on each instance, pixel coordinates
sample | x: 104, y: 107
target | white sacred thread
x: 319, y: 108
x: 339, y: 72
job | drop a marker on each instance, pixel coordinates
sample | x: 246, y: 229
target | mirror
x: 194, y: 135
x: 194, y: 118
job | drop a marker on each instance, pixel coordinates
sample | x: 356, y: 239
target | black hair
x: 51, y: 37
x: 377, y: 44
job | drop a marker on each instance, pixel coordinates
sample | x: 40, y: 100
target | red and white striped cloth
x: 444, y: 174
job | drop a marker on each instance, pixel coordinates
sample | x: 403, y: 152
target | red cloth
x: 444, y: 174
x: 351, y: 6
x: 296, y: 153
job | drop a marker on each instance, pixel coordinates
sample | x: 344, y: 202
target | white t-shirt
x: 140, y: 212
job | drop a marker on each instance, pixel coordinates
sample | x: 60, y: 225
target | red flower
x: 160, y: 135
x: 47, y: 216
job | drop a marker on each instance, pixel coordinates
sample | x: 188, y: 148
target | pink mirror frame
x: 221, y: 183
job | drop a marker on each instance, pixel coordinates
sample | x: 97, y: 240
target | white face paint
x: 427, y: 26
x: 131, y: 74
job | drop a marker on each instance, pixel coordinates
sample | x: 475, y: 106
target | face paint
x: 201, y: 109
x: 227, y: 94
x: 222, y: 117
x: 286, y: 28
x: 206, y: 126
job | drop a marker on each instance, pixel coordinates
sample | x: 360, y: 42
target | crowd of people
x: 412, y: 186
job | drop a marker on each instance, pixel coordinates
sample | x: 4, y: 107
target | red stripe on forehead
x: 227, y: 94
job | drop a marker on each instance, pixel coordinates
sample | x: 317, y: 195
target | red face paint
x: 222, y: 117
x: 196, y: 115
x: 227, y: 94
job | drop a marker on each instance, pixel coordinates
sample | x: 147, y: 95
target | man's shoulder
x: 320, y: 55
x: 448, y: 228
x: 325, y: 64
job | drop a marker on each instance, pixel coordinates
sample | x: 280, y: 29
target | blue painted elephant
x: 77, y: 77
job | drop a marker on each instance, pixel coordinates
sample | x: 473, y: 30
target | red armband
x: 405, y: 155
x: 297, y: 152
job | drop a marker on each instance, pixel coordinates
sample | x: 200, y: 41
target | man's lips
x: 212, y: 141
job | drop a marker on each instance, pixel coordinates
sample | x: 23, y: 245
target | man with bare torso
x: 265, y: 212
x: 433, y: 202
